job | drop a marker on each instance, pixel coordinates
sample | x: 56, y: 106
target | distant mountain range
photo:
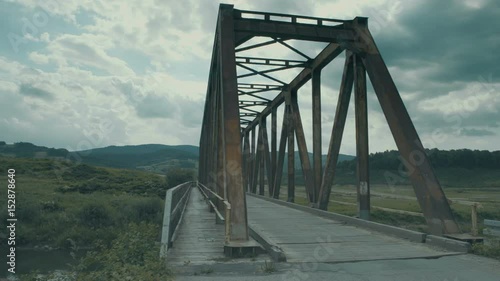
x: 152, y: 157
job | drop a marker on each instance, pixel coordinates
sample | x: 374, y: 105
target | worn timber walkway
x: 199, y: 240
x: 316, y: 248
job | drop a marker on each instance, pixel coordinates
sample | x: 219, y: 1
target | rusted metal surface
x: 316, y: 111
x: 232, y: 137
x: 291, y: 149
x: 361, y: 116
x: 281, y: 156
x: 274, y: 162
x: 302, y: 146
x: 266, y: 155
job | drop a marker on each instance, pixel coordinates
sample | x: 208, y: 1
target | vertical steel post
x: 281, y: 155
x: 291, y: 150
x: 231, y: 125
x: 266, y: 158
x: 246, y: 158
x: 316, y: 111
x: 253, y: 155
x: 361, y: 112
x: 274, y: 129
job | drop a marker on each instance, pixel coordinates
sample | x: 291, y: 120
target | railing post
x: 474, y: 219
x: 227, y: 218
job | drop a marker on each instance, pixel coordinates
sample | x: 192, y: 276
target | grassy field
x: 59, y: 202
x: 115, y: 215
x: 403, y: 198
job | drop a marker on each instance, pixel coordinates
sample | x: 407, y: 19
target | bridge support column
x: 361, y: 113
x: 316, y: 111
x: 291, y: 152
x: 274, y: 162
x: 231, y: 126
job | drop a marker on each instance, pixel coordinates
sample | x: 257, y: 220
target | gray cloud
x: 154, y: 106
x: 31, y: 91
x: 476, y: 132
x: 460, y: 41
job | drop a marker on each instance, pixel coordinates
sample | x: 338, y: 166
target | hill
x: 29, y: 150
x: 151, y: 157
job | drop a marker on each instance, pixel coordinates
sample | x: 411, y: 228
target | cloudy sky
x: 82, y: 74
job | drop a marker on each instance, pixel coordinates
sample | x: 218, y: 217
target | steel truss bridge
x: 237, y: 155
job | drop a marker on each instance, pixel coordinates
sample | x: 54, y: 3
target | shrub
x: 28, y: 211
x: 178, y: 176
x: 133, y: 255
x: 95, y: 215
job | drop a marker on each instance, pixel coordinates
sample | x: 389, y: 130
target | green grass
x: 132, y: 255
x: 59, y: 201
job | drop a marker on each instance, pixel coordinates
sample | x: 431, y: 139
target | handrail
x: 175, y: 204
x: 227, y: 216
x: 474, y: 205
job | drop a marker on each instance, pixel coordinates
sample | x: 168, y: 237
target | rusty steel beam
x: 293, y: 49
x: 292, y: 18
x: 337, y: 132
x: 246, y: 160
x: 284, y: 30
x: 267, y: 157
x: 362, y: 151
x: 231, y: 123
x: 278, y: 174
x: 291, y: 151
x: 274, y: 129
x: 269, y: 71
x: 252, y: 103
x: 270, y: 61
x: 257, y: 86
x: 316, y: 112
x: 322, y: 59
x: 302, y: 146
x: 270, y: 42
x: 257, y: 97
x: 253, y: 153
x: 258, y: 157
x: 221, y: 173
x: 260, y: 91
x: 430, y: 195
x: 260, y: 73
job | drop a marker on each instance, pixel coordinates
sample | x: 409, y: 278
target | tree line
x: 455, y: 158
